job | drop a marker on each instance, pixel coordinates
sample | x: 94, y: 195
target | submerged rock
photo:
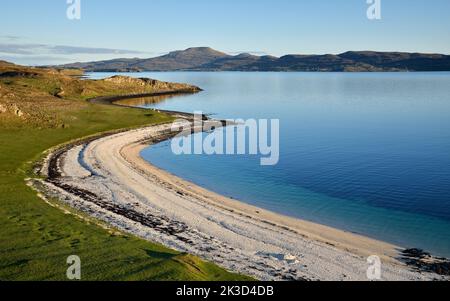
x: 425, y: 262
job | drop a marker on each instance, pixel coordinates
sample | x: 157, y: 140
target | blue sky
x: 30, y: 30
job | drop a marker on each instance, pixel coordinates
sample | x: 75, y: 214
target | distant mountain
x: 177, y: 60
x: 207, y: 59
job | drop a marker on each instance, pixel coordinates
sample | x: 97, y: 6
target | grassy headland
x: 43, y: 108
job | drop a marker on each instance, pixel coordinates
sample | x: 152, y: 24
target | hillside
x: 28, y: 92
x: 207, y: 59
x: 43, y: 108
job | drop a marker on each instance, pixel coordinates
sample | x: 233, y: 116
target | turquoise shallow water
x: 363, y: 152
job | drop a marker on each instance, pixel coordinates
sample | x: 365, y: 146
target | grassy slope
x: 35, y: 238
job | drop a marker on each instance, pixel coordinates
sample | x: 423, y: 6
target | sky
x: 39, y: 32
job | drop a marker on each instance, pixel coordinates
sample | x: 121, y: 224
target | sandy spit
x: 107, y: 179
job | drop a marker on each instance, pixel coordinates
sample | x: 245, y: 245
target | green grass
x: 36, y: 239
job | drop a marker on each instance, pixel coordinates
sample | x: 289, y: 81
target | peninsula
x: 43, y: 109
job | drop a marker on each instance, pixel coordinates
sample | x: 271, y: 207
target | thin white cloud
x: 37, y: 49
x: 10, y: 37
x: 43, y: 54
x: 34, y: 60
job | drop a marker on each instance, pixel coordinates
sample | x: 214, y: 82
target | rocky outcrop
x: 425, y: 262
x: 17, y: 74
x: 3, y: 108
x: 17, y: 111
x: 12, y: 108
x: 126, y: 80
x: 153, y: 84
x: 60, y: 93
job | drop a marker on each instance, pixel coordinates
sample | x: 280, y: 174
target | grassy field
x: 35, y: 238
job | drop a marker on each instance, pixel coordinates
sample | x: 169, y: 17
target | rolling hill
x: 207, y: 59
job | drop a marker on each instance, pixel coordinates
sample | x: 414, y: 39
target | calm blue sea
x: 363, y: 152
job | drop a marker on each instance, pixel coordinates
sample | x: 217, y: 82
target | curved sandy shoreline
x: 108, y: 179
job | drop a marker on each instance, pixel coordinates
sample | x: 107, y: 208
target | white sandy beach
x: 138, y: 198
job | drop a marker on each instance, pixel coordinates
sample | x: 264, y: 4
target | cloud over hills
x: 27, y: 53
